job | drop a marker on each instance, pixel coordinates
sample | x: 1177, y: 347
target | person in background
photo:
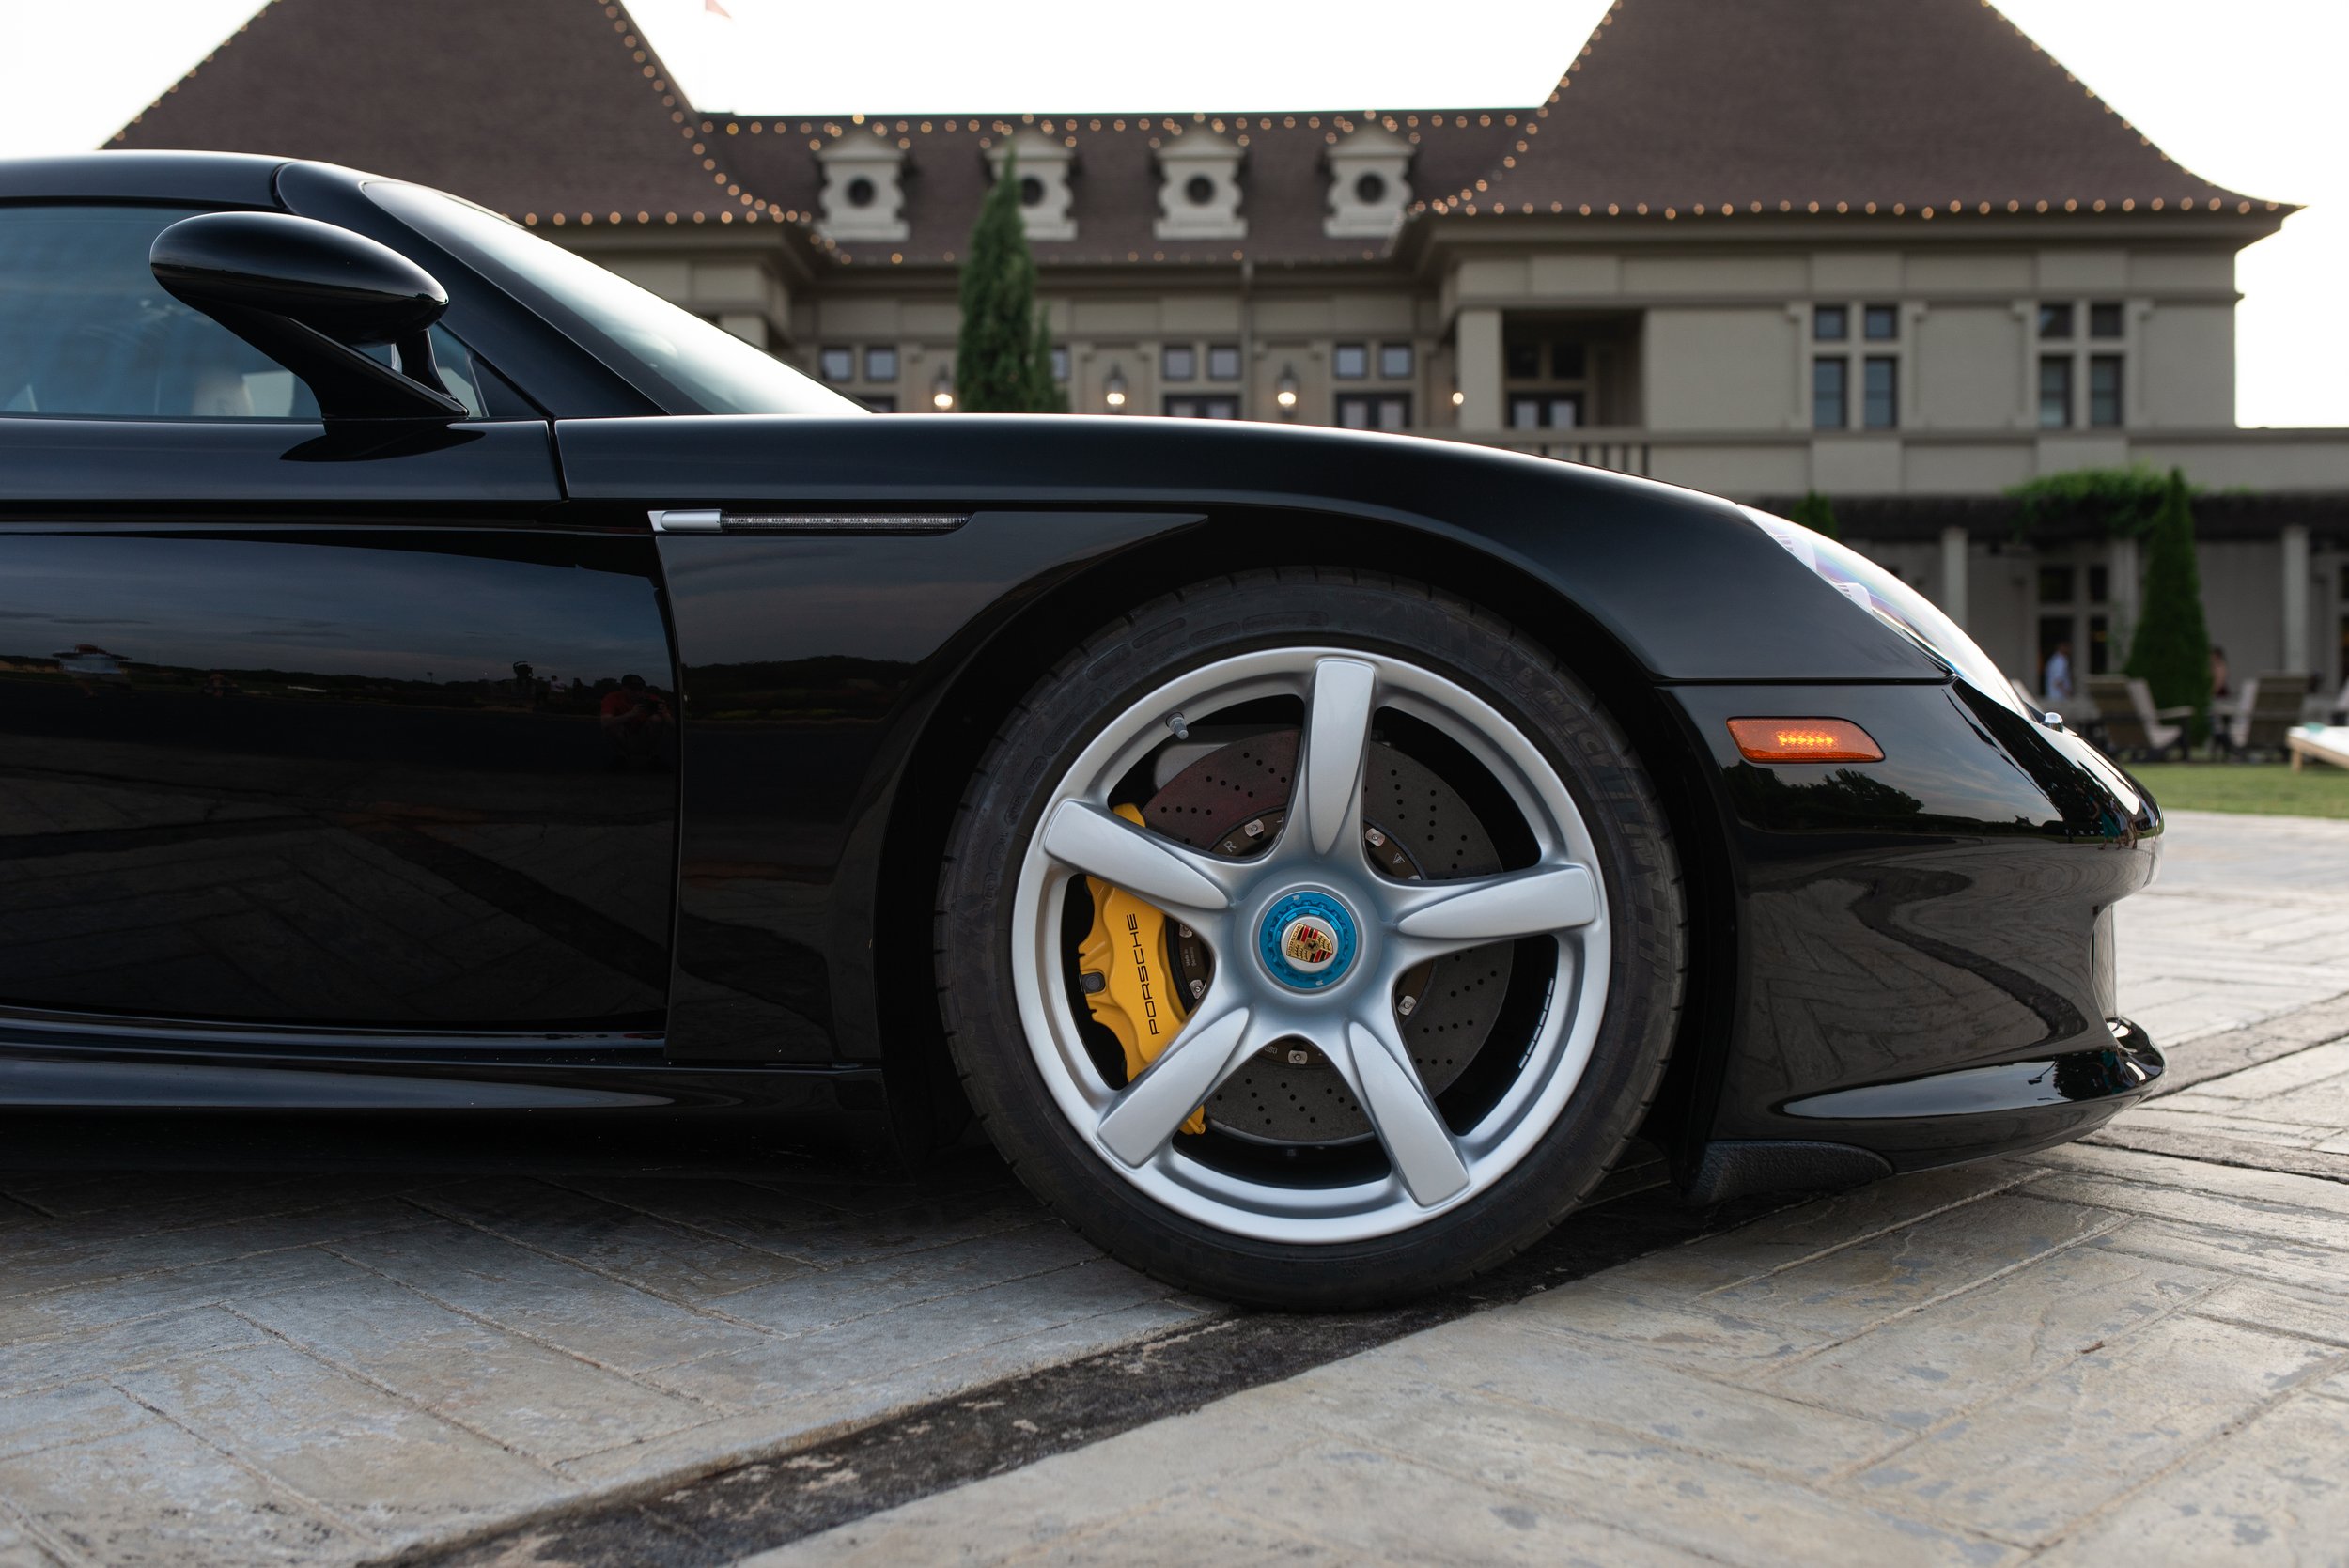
x: 2217, y: 670
x: 2055, y: 680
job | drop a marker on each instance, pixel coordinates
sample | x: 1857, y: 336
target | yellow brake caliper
x: 1122, y: 967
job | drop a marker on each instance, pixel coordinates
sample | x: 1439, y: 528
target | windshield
x: 673, y: 354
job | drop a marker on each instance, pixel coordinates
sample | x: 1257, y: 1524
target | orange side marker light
x: 1803, y: 740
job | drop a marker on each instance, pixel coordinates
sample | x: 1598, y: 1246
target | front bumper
x: 1923, y: 945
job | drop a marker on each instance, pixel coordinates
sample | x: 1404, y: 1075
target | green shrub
x: 2171, y: 650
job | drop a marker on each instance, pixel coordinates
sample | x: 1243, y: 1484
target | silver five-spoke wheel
x: 1311, y: 940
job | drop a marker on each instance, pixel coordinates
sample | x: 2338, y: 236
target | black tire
x: 1038, y: 743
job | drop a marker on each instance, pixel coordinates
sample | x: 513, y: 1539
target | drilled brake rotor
x: 1231, y: 802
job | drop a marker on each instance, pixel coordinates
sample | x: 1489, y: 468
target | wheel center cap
x: 1307, y: 940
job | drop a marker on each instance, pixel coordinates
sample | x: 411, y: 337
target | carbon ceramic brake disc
x: 1231, y: 802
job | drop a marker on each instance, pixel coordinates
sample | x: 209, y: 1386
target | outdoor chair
x: 2329, y: 745
x: 2270, y: 706
x: 2340, y: 714
x: 2132, y: 724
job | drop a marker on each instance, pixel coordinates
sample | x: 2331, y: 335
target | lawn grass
x: 2266, y: 789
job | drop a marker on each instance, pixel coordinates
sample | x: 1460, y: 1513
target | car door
x: 311, y: 724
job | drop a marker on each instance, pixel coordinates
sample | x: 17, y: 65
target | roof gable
x: 1824, y: 105
x: 523, y: 105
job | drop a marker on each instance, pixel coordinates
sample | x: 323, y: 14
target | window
x: 1566, y: 361
x: 1199, y: 189
x: 1394, y: 362
x: 1211, y: 405
x: 1551, y: 412
x: 1349, y: 362
x: 837, y: 364
x: 2104, y: 391
x: 1830, y: 394
x: 881, y: 365
x: 1031, y: 191
x: 880, y: 402
x: 1370, y: 188
x: 1880, y: 393
x: 1880, y: 323
x: 1523, y: 361
x: 1179, y: 361
x: 1830, y: 324
x: 2055, y: 392
x: 2104, y: 321
x: 1060, y: 361
x: 84, y: 329
x: 1374, y: 411
x: 2055, y: 320
x: 861, y: 191
x: 1224, y: 361
x: 2055, y: 583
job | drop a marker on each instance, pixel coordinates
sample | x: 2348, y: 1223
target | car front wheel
x: 1310, y: 940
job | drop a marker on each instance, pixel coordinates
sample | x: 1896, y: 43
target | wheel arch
x: 925, y: 1099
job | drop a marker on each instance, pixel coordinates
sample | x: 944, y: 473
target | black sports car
x: 434, y: 672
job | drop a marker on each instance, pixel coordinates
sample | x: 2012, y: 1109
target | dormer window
x: 1045, y: 195
x: 1199, y: 188
x: 864, y: 189
x: 1369, y: 185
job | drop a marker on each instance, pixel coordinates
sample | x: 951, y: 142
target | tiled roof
x: 1908, y: 107
x: 558, y: 113
x: 528, y: 106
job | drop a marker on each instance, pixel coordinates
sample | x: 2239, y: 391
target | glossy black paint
x: 1900, y: 963
x: 1936, y: 921
x: 271, y: 747
x: 342, y: 775
x: 1617, y: 548
x: 423, y: 472
x: 344, y: 284
x: 810, y: 666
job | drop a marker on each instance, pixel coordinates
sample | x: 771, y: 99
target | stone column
x: 1957, y: 572
x: 1477, y: 364
x: 2295, y: 586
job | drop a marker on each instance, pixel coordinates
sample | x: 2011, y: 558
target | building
x: 1887, y: 250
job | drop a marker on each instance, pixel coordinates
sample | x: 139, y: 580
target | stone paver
x: 225, y: 1369
x: 2132, y: 1349
x: 2134, y: 1345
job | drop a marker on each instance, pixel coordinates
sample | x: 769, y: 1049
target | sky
x: 2245, y: 92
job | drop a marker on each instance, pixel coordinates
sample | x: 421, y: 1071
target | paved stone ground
x: 2137, y: 1344
x: 2097, y: 1354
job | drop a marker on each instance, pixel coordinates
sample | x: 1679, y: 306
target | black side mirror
x: 309, y: 295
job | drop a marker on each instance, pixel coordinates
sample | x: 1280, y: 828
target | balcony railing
x: 1626, y: 450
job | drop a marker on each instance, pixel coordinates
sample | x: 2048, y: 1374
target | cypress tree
x: 1814, y: 513
x: 1045, y: 396
x: 2169, y: 650
x: 1003, y: 359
